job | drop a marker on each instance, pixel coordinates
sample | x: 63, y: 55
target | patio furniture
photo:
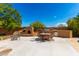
x: 15, y: 36
x: 45, y: 36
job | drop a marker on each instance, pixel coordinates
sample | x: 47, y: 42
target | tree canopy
x: 9, y: 17
x: 73, y: 24
x: 37, y: 25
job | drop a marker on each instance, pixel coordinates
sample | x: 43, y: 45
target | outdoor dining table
x: 45, y: 36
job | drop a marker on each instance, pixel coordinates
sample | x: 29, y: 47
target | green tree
x: 9, y: 17
x: 73, y: 24
x: 37, y: 25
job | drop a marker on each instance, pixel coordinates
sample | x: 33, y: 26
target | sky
x: 50, y: 14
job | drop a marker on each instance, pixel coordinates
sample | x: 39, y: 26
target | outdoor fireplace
x: 27, y: 31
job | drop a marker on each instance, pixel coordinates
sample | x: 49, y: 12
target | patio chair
x: 15, y: 36
x: 51, y: 37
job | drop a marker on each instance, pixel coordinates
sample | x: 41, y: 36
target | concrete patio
x: 27, y: 46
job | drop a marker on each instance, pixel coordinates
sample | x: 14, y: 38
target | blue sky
x: 50, y: 14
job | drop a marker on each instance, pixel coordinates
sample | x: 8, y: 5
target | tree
x: 73, y: 24
x: 9, y: 17
x: 37, y: 25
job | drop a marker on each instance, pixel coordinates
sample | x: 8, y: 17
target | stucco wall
x: 63, y: 33
x: 27, y: 31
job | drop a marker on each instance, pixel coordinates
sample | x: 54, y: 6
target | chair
x: 15, y: 36
x: 51, y: 37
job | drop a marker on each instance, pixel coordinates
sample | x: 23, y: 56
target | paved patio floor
x: 27, y: 46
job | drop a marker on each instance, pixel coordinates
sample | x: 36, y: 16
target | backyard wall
x: 63, y: 33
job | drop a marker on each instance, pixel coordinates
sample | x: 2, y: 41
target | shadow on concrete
x: 38, y: 40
